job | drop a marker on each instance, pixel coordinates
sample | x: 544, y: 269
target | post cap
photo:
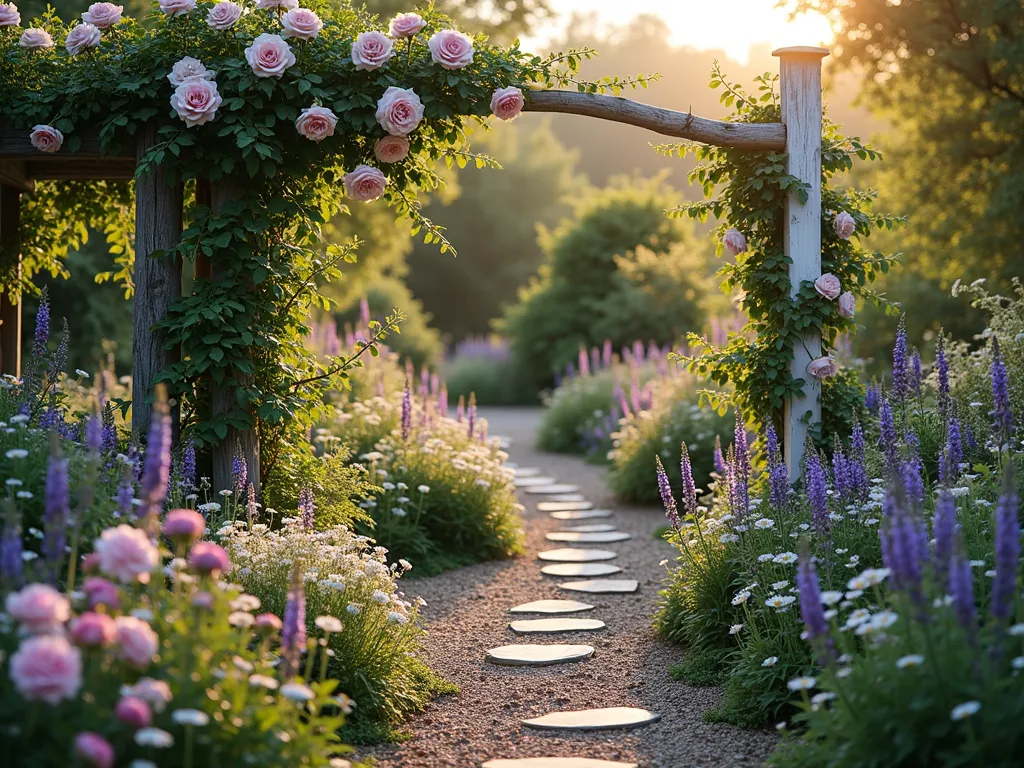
x: 801, y: 50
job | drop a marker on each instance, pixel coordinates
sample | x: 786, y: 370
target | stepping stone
x: 555, y: 762
x: 602, y: 586
x: 550, y: 490
x: 582, y: 514
x: 580, y: 569
x: 565, y: 506
x: 551, y: 626
x: 529, y: 482
x: 538, y: 655
x: 610, y: 718
x: 591, y: 528
x: 568, y: 497
x: 528, y: 471
x: 552, y: 606
x: 569, y: 555
x: 588, y: 538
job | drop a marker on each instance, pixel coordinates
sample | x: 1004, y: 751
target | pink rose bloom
x: 136, y: 641
x: 207, y: 557
x: 177, y: 7
x: 93, y: 630
x: 822, y: 367
x: 156, y: 693
x: 94, y: 750
x: 399, y: 111
x: 269, y: 56
x: 406, y: 25
x: 35, y: 38
x: 39, y: 608
x: 103, y: 15
x: 301, y: 23
x: 187, y: 69
x: 126, y: 553
x: 224, y: 15
x: 371, y: 50
x: 81, y: 38
x: 316, y: 123
x: 391, y: 149
x: 45, y: 138
x: 274, y: 4
x: 101, y: 592
x: 184, y: 523
x: 847, y: 305
x: 845, y: 225
x: 507, y: 103
x: 268, y: 624
x: 734, y: 242
x: 47, y: 668
x: 365, y: 183
x: 451, y: 49
x: 133, y: 712
x: 9, y: 16
x: 828, y: 285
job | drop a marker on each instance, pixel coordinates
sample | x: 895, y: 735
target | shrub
x: 574, y: 409
x: 485, y: 368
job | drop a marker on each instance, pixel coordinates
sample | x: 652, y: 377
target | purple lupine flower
x: 125, y: 493
x: 471, y: 415
x: 442, y: 401
x: 913, y: 482
x: 583, y: 361
x: 109, y: 429
x: 689, y: 487
x: 42, y: 332
x: 188, y: 466
x: 719, y: 460
x: 11, y: 562
x: 460, y: 411
x: 570, y: 371
x: 1007, y: 550
x: 406, y: 412
x: 620, y: 397
x: 156, y: 471
x: 817, y: 492
x: 239, y: 474
x: 953, y: 453
x: 915, y: 372
x: 606, y: 353
x: 961, y: 588
x: 872, y: 396
x: 841, y: 476
x: 944, y: 530
x: 55, y: 514
x: 60, y: 357
x: 307, y: 508
x: 665, y: 489
x: 1002, y: 411
x: 942, y: 369
x: 969, y: 439
x: 94, y: 433
x: 293, y: 630
x: 900, y: 372
x: 741, y: 458
x: 778, y: 475
x: 903, y: 551
x: 858, y: 462
x: 887, y: 435
x: 811, y: 610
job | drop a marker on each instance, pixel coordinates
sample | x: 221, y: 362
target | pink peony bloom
x: 188, y: 69
x: 391, y: 149
x: 275, y: 4
x: 101, y: 592
x: 224, y: 15
x: 406, y: 25
x: 507, y: 103
x: 93, y: 630
x: 126, y: 553
x: 269, y: 56
x: 451, y: 49
x: 9, y: 16
x: 47, y: 668
x: 268, y: 624
x: 136, y: 641
x: 365, y: 183
x: 94, y: 750
x: 133, y: 712
x: 39, y: 608
x: 103, y: 15
x: 35, y: 38
x: 822, y: 367
x: 184, y: 523
x: 301, y: 23
x: 316, y: 123
x: 81, y: 38
x: 399, y: 111
x: 156, y: 693
x: 46, y: 138
x: 177, y: 7
x: 845, y: 225
x: 828, y: 285
x: 207, y: 557
x: 734, y: 241
x: 847, y: 305
x: 372, y: 50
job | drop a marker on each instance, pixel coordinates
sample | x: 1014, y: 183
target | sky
x: 730, y: 25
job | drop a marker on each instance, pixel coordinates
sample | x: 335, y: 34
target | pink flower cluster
x: 195, y: 98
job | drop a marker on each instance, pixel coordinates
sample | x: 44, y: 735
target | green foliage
x: 573, y: 410
x: 842, y: 404
x: 493, y: 377
x: 699, y: 668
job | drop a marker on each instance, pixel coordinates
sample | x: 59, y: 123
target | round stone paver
x: 569, y: 555
x: 550, y: 490
x: 529, y: 655
x: 564, y: 506
x: 580, y: 569
x: 602, y: 586
x: 568, y: 497
x: 594, y: 719
x: 529, y: 482
x: 552, y: 607
x: 527, y: 471
x: 554, y: 626
x: 555, y: 762
x: 590, y: 528
x: 582, y: 514
x: 576, y: 537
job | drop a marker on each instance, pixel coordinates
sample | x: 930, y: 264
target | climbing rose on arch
x: 828, y: 286
x: 103, y: 15
x: 224, y: 15
x: 845, y: 225
x: 177, y: 7
x: 35, y: 38
x: 301, y: 23
x: 81, y: 38
x: 365, y: 183
x: 406, y: 25
x: 196, y: 101
x: 274, y: 4
x: 847, y: 305
x: 451, y: 49
x: 507, y: 103
x: 399, y: 111
x: 371, y: 50
x: 46, y: 138
x: 822, y: 367
x: 186, y: 69
x: 734, y: 241
x: 316, y: 123
x: 269, y: 56
x: 9, y: 16
x: 391, y: 149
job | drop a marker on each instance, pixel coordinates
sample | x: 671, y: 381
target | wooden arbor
x: 158, y: 220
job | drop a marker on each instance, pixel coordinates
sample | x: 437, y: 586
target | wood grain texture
x: 10, y: 308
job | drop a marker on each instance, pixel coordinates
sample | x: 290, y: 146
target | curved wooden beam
x: 682, y: 125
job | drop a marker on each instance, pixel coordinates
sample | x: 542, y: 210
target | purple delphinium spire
x: 442, y: 401
x: 665, y: 489
x: 293, y: 630
x: 778, y: 475
x: 11, y: 562
x: 842, y: 477
x: 858, y: 462
x: 307, y: 508
x: 60, y: 356
x: 811, y: 610
x: 872, y: 397
x: 689, y: 487
x: 1002, y: 410
x: 913, y: 482
x: 460, y: 410
x: 904, y: 543
x: 55, y: 513
x: 188, y: 466
x: 156, y: 471
x: 42, y: 332
x: 94, y: 433
x: 953, y: 452
x: 719, y: 460
x: 887, y: 436
x: 471, y: 415
x: 1007, y: 551
x: 961, y: 588
x: 944, y: 531
x: 741, y: 466
x: 817, y: 492
x: 900, y: 371
x: 239, y: 474
x: 942, y: 370
x: 915, y: 373
x: 109, y: 429
x: 406, y: 412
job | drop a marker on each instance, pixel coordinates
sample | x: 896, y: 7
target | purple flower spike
x: 188, y: 466
x: 901, y: 387
x: 915, y: 373
x: 810, y: 605
x: 741, y: 466
x: 944, y: 529
x: 689, y: 487
x: 942, y: 369
x: 817, y: 493
x: 406, y: 412
x: 857, y: 463
x: 719, y: 460
x: 953, y: 453
x: 1002, y: 410
x: 307, y: 508
x: 293, y: 631
x: 94, y: 433
x: 887, y: 436
x: 55, y: 513
x: 239, y: 474
x: 42, y: 333
x: 471, y: 416
x: 871, y: 397
x: 156, y: 471
x: 1007, y: 546
x: 665, y: 489
x: 778, y: 474
x: 11, y: 562
x: 961, y: 588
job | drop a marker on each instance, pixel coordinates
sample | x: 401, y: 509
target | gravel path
x: 467, y: 613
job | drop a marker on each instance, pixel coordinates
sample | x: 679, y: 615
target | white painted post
x: 800, y: 83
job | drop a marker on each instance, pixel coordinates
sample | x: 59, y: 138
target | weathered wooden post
x: 10, y: 295
x: 800, y: 84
